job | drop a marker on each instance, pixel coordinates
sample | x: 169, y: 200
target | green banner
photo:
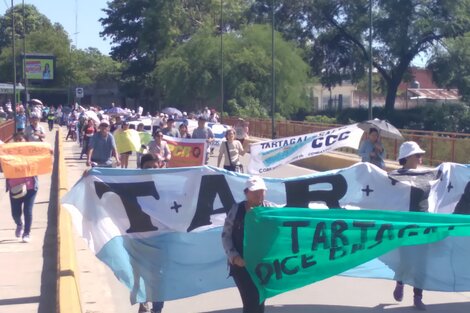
x: 288, y: 248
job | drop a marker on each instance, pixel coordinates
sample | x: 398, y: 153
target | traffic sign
x: 79, y: 92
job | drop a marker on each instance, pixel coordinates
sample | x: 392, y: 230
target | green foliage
x: 91, y: 66
x: 34, y: 22
x: 51, y: 39
x: 451, y: 66
x: 336, y: 33
x: 190, y: 76
x: 144, y: 32
x: 322, y: 119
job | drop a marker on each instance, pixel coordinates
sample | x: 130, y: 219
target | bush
x: 322, y: 119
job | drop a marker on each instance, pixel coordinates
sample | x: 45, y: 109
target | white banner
x: 268, y: 155
x: 160, y: 230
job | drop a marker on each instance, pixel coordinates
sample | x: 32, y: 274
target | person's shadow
x: 462, y: 307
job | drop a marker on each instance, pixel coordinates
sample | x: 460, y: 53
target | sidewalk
x: 28, y: 270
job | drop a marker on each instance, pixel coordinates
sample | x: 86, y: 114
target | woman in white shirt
x: 231, y: 150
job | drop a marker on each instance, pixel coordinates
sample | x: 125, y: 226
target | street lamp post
x: 370, y: 59
x: 221, y: 61
x: 273, y: 87
x: 25, y: 79
x: 14, y: 61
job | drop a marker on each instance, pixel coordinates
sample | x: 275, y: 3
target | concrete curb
x: 67, y: 283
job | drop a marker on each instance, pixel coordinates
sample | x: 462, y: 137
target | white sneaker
x: 26, y: 238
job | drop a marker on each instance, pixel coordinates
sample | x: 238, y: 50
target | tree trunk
x: 392, y: 88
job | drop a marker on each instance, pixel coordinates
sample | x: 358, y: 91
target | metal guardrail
x: 7, y: 130
x: 439, y: 146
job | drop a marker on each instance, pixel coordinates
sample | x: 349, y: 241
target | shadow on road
x: 47, y: 299
x: 463, y: 307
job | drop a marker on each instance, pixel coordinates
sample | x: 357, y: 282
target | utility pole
x: 25, y: 78
x: 14, y: 59
x: 370, y: 59
x: 221, y: 60
x: 273, y: 86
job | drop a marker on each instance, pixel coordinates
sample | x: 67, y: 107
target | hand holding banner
x: 26, y: 159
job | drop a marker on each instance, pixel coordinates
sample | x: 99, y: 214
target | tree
x: 91, y: 66
x: 450, y: 65
x: 191, y: 74
x: 34, y: 21
x: 144, y: 31
x: 336, y: 32
x: 43, y: 37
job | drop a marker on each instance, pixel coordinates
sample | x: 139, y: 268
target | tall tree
x: 144, y: 31
x: 450, y: 64
x: 190, y: 75
x: 337, y: 33
x: 33, y: 21
x: 42, y: 36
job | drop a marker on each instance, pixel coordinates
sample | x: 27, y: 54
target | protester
x: 22, y: 195
x: 34, y: 132
x: 142, y: 133
x: 20, y: 119
x: 372, y: 150
x: 170, y: 129
x: 203, y: 132
x: 88, y: 130
x: 149, y: 161
x: 410, y: 157
x: 159, y: 149
x: 231, y: 150
x: 183, y: 128
x: 51, y: 118
x: 123, y: 143
x: 102, y: 148
x: 241, y: 130
x: 232, y: 240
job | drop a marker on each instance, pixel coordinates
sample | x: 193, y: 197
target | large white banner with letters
x: 160, y: 230
x: 267, y: 155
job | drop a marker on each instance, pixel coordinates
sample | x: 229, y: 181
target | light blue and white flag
x: 268, y: 155
x: 160, y: 230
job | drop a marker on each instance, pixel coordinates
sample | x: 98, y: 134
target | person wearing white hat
x: 410, y: 157
x: 232, y: 240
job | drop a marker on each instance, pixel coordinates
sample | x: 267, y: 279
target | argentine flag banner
x: 160, y: 230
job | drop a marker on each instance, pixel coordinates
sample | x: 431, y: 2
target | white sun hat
x: 409, y: 148
x: 255, y: 183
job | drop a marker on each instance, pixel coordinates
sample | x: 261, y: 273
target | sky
x: 66, y: 12
x: 87, y: 13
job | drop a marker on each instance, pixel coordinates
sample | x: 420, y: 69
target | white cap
x: 409, y: 148
x: 255, y: 183
x: 104, y: 122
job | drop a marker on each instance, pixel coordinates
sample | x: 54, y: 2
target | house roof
x: 435, y: 94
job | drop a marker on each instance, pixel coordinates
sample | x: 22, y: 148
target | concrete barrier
x: 68, y: 297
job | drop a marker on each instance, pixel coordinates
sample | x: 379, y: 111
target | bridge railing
x: 439, y: 146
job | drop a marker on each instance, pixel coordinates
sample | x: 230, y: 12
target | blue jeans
x: 157, y: 306
x: 23, y: 206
